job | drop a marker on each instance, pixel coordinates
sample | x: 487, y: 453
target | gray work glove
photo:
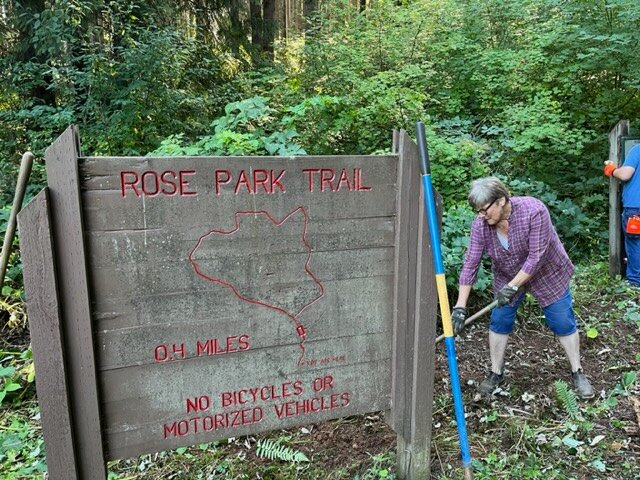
x: 506, y: 294
x: 458, y: 316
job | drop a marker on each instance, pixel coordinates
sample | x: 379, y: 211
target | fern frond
x: 274, y: 451
x: 568, y: 399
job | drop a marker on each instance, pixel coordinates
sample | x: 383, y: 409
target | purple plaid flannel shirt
x: 534, y: 247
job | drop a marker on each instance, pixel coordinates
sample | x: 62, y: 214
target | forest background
x: 524, y: 89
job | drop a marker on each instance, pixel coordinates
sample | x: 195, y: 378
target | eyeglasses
x: 483, y: 211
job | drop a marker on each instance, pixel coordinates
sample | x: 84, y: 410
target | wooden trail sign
x: 177, y: 301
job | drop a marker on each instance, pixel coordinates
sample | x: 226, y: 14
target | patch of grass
x: 21, y: 443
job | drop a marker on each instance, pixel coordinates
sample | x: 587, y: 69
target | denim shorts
x: 559, y: 316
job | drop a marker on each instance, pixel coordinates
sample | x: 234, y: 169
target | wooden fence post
x: 615, y: 229
x: 70, y: 261
x: 414, y: 358
x: 36, y: 250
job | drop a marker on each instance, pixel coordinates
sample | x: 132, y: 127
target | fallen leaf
x: 527, y: 397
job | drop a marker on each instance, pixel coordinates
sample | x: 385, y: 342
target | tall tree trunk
x: 270, y: 24
x: 235, y: 28
x: 26, y: 51
x: 255, y: 14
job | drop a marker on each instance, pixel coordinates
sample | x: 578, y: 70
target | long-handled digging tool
x: 441, y: 284
x: 23, y: 178
x: 474, y: 317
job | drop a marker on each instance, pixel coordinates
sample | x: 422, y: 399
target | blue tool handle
x: 425, y: 167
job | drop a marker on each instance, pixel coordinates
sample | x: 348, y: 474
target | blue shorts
x: 559, y: 316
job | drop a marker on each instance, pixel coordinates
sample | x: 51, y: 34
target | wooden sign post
x: 616, y: 244
x: 620, y: 142
x: 176, y: 301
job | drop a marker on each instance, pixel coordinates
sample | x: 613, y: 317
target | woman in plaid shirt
x: 526, y: 256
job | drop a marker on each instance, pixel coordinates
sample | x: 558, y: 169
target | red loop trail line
x: 294, y: 317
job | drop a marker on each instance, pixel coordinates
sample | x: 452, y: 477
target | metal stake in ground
x: 441, y: 284
x: 23, y: 178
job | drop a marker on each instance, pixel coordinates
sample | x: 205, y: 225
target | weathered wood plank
x: 405, y: 174
x: 46, y: 338
x: 423, y: 366
x: 130, y: 339
x: 363, y: 383
x: 363, y: 191
x: 405, y: 444
x: 191, y: 273
x: 414, y: 380
x: 69, y: 253
x: 105, y: 173
x: 107, y: 210
x: 615, y: 229
x: 161, y: 245
x: 184, y: 306
x: 227, y: 371
x: 120, y: 281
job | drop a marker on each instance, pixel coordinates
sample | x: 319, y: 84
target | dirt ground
x: 534, y: 360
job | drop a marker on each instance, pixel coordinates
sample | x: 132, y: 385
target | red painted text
x: 252, y: 182
x: 209, y: 423
x: 265, y: 393
x: 151, y: 183
x: 328, y: 180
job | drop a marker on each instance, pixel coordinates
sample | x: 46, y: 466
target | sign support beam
x: 46, y: 337
x: 70, y: 262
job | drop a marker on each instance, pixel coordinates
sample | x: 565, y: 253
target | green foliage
x: 526, y: 467
x: 379, y: 469
x: 275, y: 450
x: 13, y: 275
x: 627, y: 380
x: 146, y: 94
x: 525, y: 90
x: 458, y: 156
x: 456, y: 224
x: 125, y: 72
x: 632, y: 313
x: 21, y: 445
x: 567, y: 398
x: 247, y: 128
x: 7, y: 375
x: 16, y: 370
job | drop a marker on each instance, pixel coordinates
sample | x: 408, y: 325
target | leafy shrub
x: 579, y: 232
x: 456, y: 223
x: 247, y: 128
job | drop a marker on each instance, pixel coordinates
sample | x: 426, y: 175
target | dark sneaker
x: 581, y: 385
x: 490, y: 383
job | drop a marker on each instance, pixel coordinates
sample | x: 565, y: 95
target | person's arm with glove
x: 459, y: 312
x: 506, y: 294
x: 470, y: 267
x: 623, y: 173
x: 609, y: 168
x: 458, y: 317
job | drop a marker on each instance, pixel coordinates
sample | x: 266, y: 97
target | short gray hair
x: 486, y: 190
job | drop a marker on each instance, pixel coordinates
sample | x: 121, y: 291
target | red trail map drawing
x: 259, y: 262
